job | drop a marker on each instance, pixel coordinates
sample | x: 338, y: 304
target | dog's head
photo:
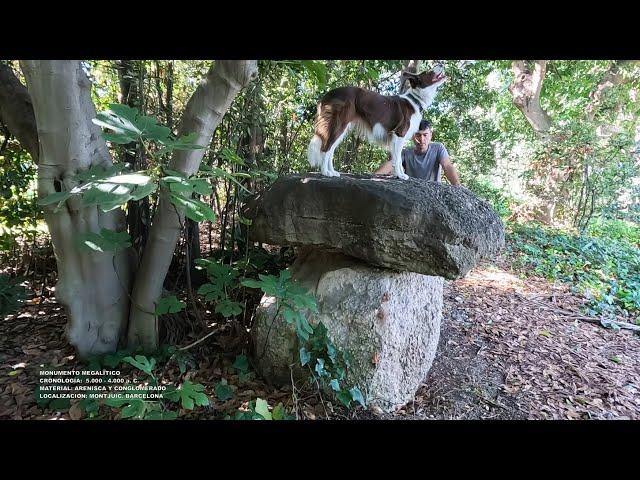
x: 435, y: 77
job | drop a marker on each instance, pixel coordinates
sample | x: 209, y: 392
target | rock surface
x: 388, y: 322
x: 411, y: 225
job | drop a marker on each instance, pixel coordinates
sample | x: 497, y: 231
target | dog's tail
x: 314, y: 153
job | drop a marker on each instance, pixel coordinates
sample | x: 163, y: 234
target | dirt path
x: 508, y: 350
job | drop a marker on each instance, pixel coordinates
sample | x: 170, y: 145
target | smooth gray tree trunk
x: 92, y: 286
x: 95, y: 287
x: 203, y: 113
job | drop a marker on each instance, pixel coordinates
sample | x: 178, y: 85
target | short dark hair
x: 424, y: 124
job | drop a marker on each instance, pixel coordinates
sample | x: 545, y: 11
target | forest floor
x: 510, y: 348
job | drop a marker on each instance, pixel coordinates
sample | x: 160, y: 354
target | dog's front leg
x: 396, y: 157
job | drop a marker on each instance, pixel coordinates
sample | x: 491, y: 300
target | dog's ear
x: 411, y: 77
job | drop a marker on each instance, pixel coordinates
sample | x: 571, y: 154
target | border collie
x: 384, y: 120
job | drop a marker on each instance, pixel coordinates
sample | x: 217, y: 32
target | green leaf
x: 335, y: 385
x: 173, y: 173
x: 105, y: 241
x: 137, y: 179
x: 57, y: 197
x: 151, y: 130
x: 285, y: 275
x: 201, y: 186
x: 320, y: 367
x: 112, y: 360
x: 305, y: 324
x: 300, y: 331
x: 356, y: 395
x: 128, y: 125
x: 331, y: 351
x: 241, y: 363
x: 183, y: 186
x: 143, y: 191
x: 252, y: 283
x: 262, y: 409
x: 228, y: 308
x: 135, y: 408
x: 41, y: 401
x: 89, y: 405
x: 169, y: 305
x: 305, y: 356
x: 171, y: 393
x: 318, y: 70
x: 107, y: 196
x: 189, y: 394
x: 211, y: 292
x: 344, y: 397
x: 223, y: 391
x: 142, y: 363
x: 290, y: 315
x: 194, y: 209
x: 278, y: 412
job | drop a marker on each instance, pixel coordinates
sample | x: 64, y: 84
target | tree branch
x: 16, y: 111
x: 202, y: 115
x: 613, y: 77
x: 525, y: 90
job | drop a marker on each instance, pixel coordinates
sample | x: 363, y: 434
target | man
x: 424, y: 160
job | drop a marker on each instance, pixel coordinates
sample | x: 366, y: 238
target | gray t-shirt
x: 427, y: 165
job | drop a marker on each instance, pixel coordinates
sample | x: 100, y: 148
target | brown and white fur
x: 384, y: 120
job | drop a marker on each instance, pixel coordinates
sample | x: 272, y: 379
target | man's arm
x: 450, y: 171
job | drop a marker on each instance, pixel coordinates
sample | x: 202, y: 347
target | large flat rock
x: 405, y: 225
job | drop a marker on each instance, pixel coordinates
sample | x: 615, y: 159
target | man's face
x: 422, y: 139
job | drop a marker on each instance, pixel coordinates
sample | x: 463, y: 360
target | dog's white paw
x: 335, y: 174
x: 402, y: 176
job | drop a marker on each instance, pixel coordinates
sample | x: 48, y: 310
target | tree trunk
x: 16, y: 111
x: 193, y: 241
x: 203, y: 113
x: 94, y: 295
x: 525, y: 90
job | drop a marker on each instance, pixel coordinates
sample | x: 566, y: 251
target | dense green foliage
x: 19, y: 212
x: 605, y: 270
